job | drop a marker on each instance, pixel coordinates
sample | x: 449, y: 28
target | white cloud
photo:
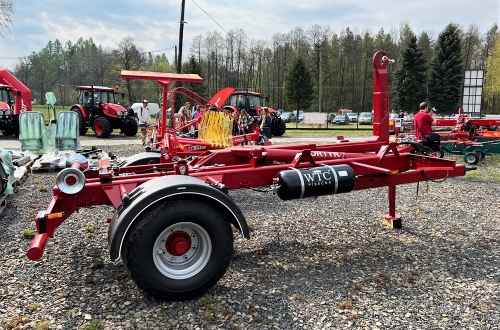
x: 153, y: 24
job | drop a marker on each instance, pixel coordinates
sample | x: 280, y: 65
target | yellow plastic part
x: 216, y: 128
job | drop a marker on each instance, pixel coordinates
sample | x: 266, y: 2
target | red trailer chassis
x: 171, y: 224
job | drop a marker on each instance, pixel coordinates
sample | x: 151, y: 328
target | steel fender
x: 82, y: 109
x: 160, y: 190
x: 142, y: 158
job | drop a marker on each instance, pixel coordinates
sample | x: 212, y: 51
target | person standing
x: 197, y: 114
x: 265, y: 124
x: 184, y: 119
x: 246, y: 121
x: 144, y: 118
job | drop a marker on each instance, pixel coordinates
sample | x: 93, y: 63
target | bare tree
x: 129, y: 57
x: 6, y: 12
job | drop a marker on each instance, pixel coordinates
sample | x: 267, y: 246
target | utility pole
x: 181, y: 33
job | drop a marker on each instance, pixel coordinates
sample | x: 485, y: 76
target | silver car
x: 365, y: 118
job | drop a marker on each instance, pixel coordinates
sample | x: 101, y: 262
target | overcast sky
x: 153, y: 24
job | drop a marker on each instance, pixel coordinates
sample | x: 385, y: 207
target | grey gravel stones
x: 316, y: 263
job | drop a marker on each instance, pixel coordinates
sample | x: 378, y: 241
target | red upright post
x: 381, y: 123
x: 381, y: 96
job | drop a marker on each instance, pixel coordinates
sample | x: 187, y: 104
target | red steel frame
x: 375, y: 161
x: 164, y: 138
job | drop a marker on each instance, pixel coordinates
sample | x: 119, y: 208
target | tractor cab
x: 95, y: 97
x: 246, y: 100
x: 5, y: 94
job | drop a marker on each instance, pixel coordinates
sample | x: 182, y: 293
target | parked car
x: 352, y: 117
x: 153, y: 108
x: 341, y: 119
x: 288, y: 117
x: 302, y: 115
x: 365, y: 118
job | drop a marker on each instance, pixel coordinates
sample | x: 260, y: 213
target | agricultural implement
x: 467, y: 137
x: 172, y: 221
x: 15, y: 98
x: 252, y: 103
x: 214, y: 129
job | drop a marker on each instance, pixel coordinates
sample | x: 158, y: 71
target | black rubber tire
x: 8, y: 132
x: 481, y: 154
x: 441, y: 153
x: 131, y: 127
x: 105, y: 130
x: 278, y: 127
x: 471, y: 158
x: 81, y: 121
x: 139, y: 248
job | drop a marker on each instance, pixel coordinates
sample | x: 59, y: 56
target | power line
x: 203, y: 10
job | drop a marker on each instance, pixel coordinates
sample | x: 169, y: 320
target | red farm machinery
x: 171, y: 224
x: 97, y: 109
x: 15, y: 98
x: 252, y: 103
x: 467, y: 137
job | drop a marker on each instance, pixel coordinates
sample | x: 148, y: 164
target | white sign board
x: 473, y: 91
x: 315, y: 118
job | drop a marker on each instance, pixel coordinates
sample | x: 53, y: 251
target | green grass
x: 329, y: 131
x: 489, y: 171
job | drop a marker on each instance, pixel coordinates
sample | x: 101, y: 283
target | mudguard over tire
x: 131, y: 126
x: 82, y: 128
x: 143, y: 158
x: 178, y: 250
x: 102, y: 127
x: 278, y: 127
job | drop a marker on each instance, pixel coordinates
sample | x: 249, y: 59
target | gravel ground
x: 318, y: 263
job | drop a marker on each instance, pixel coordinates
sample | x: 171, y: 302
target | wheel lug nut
x: 160, y: 251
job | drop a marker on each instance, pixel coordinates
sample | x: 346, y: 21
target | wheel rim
x: 182, y: 250
x: 98, y: 127
x: 471, y: 158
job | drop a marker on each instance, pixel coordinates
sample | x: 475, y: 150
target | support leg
x: 392, y: 219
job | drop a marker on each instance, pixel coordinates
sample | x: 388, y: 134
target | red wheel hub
x: 71, y: 180
x: 98, y: 128
x: 178, y: 243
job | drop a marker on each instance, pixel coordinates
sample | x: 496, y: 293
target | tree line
x: 339, y: 66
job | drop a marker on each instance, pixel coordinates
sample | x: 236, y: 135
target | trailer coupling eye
x: 70, y: 181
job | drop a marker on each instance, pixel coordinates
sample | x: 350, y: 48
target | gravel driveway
x: 316, y: 263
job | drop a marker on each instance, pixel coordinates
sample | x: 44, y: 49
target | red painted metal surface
x: 375, y: 162
x: 23, y: 99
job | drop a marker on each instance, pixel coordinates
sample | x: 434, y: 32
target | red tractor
x: 97, y: 109
x: 15, y: 98
x: 251, y: 102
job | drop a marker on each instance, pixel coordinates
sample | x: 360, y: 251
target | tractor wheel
x: 102, y: 128
x: 178, y: 250
x: 278, y: 127
x: 131, y: 126
x: 81, y: 121
x: 471, y: 158
x: 8, y: 132
x: 481, y: 154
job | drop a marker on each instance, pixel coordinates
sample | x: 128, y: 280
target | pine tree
x: 447, y: 73
x: 410, y: 87
x: 299, y: 88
